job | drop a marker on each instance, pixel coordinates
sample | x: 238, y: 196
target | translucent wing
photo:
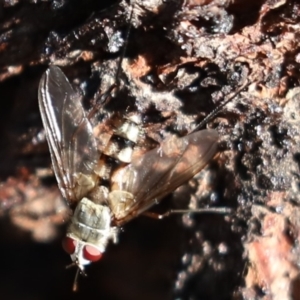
x: 69, y: 133
x: 160, y: 171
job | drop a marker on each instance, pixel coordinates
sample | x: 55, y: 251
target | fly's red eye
x: 69, y: 245
x: 91, y: 253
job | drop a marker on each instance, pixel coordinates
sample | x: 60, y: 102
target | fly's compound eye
x: 91, y: 253
x: 69, y: 245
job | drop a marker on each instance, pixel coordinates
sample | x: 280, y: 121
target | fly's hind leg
x: 212, y: 210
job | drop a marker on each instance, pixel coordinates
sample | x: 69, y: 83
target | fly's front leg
x: 212, y: 210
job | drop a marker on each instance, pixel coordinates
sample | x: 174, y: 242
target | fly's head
x: 81, y: 252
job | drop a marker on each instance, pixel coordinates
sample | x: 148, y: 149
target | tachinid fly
x: 108, y: 187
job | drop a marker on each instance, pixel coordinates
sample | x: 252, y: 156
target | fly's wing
x: 160, y: 171
x: 69, y: 133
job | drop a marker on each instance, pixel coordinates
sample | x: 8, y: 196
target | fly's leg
x: 105, y: 98
x: 212, y: 114
x: 212, y: 210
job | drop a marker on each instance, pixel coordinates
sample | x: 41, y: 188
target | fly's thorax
x: 91, y: 224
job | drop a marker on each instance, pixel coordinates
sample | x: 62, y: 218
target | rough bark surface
x: 182, y: 59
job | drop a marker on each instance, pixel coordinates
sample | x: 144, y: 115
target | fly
x: 108, y: 188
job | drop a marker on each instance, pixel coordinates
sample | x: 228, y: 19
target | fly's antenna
x: 71, y: 265
x: 214, y: 112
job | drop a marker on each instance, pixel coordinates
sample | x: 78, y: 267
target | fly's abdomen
x: 125, y: 140
x: 120, y: 149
